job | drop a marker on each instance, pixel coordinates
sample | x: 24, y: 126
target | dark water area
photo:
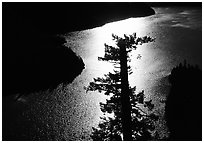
x: 68, y: 112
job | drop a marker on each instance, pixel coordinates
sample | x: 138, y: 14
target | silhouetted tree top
x: 184, y: 72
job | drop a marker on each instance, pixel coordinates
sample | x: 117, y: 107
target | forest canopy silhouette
x: 184, y: 103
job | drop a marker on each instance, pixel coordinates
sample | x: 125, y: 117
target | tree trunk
x: 125, y: 94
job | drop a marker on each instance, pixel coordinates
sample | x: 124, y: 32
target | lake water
x: 178, y: 33
x: 71, y: 113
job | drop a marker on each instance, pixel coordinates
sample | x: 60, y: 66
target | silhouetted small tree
x: 184, y: 103
x: 111, y: 128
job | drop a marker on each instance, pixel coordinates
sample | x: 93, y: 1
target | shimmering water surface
x: 178, y: 37
x: 69, y: 114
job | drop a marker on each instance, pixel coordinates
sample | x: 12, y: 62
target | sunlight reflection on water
x: 156, y: 62
x: 90, y: 46
x: 129, y: 26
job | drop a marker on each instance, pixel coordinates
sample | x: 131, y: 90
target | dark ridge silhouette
x: 174, y: 4
x: 65, y: 17
x: 184, y: 103
x: 40, y: 65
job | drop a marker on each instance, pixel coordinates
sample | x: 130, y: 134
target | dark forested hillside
x: 184, y: 103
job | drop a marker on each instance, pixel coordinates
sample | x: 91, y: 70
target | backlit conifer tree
x: 130, y: 119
